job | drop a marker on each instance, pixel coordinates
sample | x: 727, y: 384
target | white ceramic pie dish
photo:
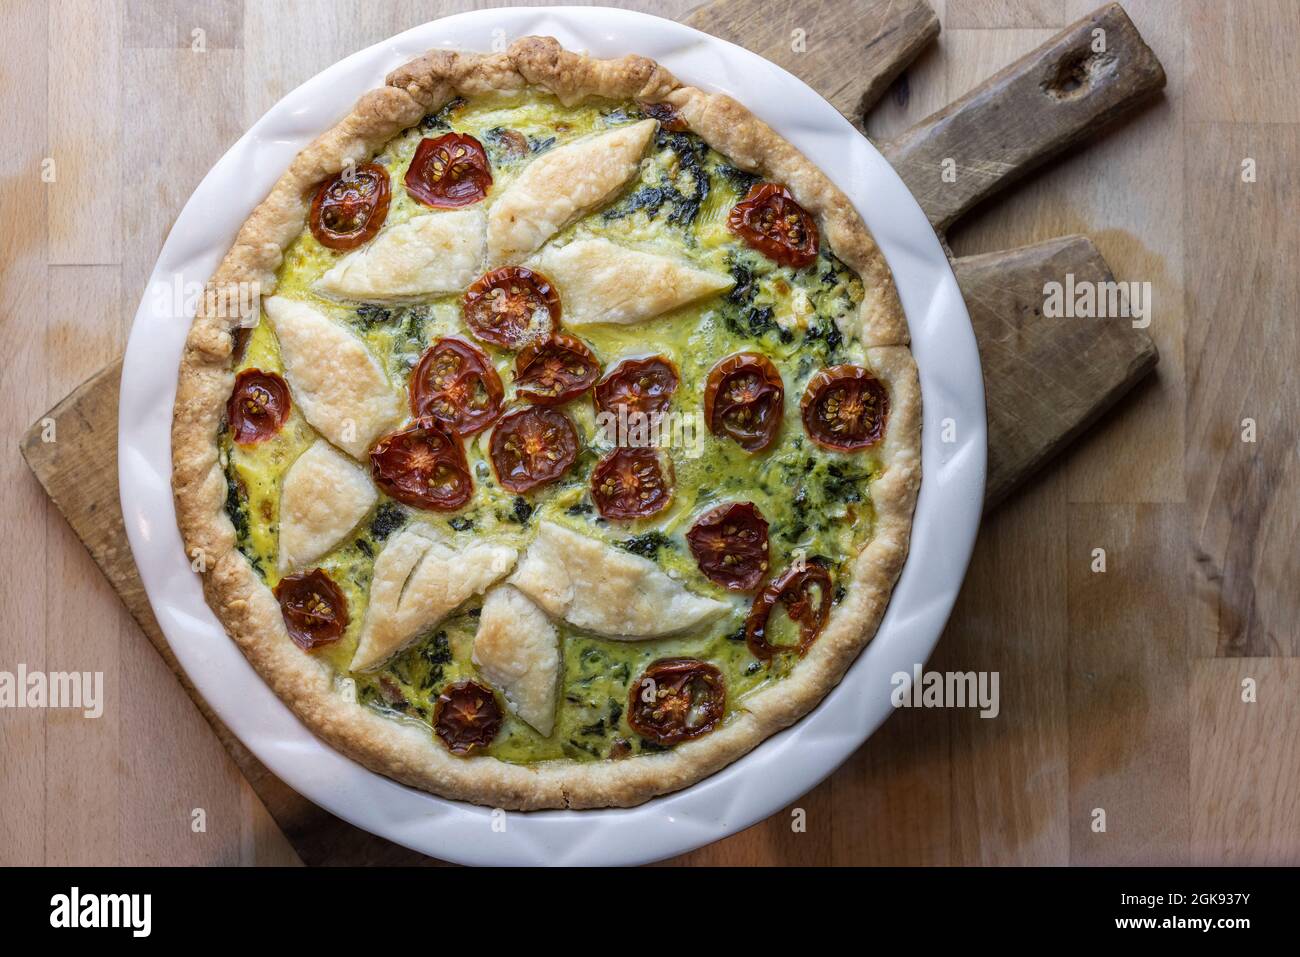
x: 782, y: 768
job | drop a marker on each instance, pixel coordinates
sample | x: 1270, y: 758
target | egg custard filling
x: 557, y: 438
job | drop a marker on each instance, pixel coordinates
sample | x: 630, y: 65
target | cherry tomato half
x: 349, y: 209
x: 468, y: 717
x: 638, y: 387
x: 511, y: 144
x: 511, y: 306
x: 631, y: 483
x: 744, y: 400
x: 844, y: 408
x: 675, y: 699
x: 666, y: 114
x: 455, y: 383
x: 449, y: 172
x: 555, y: 370
x: 258, y: 407
x: 423, y: 466
x: 729, y: 543
x: 771, y: 221
x: 533, y: 446
x: 314, y: 608
x: 796, y: 588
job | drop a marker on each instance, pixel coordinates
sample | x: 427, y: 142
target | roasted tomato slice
x: 676, y: 699
x: 511, y: 144
x: 730, y: 545
x: 423, y: 466
x: 640, y: 387
x: 449, y: 171
x: 844, y: 408
x: 744, y: 399
x: 468, y: 716
x: 349, y: 209
x: 631, y: 483
x: 806, y: 593
x: 555, y: 370
x: 314, y: 608
x: 533, y: 446
x: 771, y: 221
x: 666, y: 114
x: 455, y: 383
x: 511, y: 306
x: 258, y: 407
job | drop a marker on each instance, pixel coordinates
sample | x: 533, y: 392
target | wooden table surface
x: 1121, y: 691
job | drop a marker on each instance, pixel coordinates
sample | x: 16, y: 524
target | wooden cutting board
x: 1046, y: 379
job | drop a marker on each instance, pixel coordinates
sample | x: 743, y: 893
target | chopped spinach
x: 824, y: 336
x: 740, y: 314
x: 647, y: 545
x: 236, y: 502
x: 681, y: 193
x: 615, y: 116
x: 740, y: 180
x: 369, y: 315
x: 388, y: 518
x: 844, y: 484
x: 442, y: 119
x: 521, y: 511
x: 437, y: 651
x: 237, y: 511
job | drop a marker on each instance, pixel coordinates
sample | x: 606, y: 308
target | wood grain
x: 1243, y: 338
x: 1128, y: 678
x: 84, y: 142
x: 933, y: 787
x: 1045, y: 379
x: 1111, y: 192
x: 1242, y: 61
x: 1245, y: 804
x: 1005, y: 14
x: 848, y: 53
x: 83, y: 819
x: 1033, y: 110
x: 24, y: 285
x: 1010, y: 774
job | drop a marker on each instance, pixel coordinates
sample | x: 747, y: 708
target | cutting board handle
x: 1071, y: 86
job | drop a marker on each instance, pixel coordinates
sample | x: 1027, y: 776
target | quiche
x: 549, y: 436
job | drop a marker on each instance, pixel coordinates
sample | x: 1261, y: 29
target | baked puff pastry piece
x: 606, y: 590
x: 419, y: 579
x: 603, y: 282
x: 561, y: 186
x: 430, y: 254
x: 325, y: 494
x: 517, y: 650
x: 334, y: 379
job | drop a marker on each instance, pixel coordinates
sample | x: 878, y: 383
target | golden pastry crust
x: 250, y: 612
